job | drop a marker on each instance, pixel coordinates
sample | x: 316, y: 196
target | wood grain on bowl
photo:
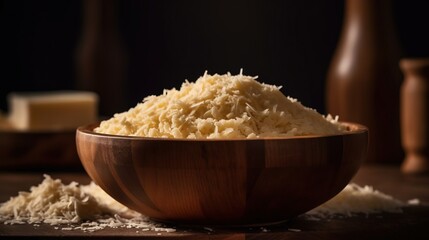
x: 239, y: 182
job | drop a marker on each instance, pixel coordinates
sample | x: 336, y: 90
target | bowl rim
x: 353, y: 129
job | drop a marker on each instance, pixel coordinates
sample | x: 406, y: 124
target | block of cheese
x: 55, y: 110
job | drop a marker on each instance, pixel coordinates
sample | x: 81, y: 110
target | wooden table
x: 413, y: 223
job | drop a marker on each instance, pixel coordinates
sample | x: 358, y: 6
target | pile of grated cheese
x: 73, y: 207
x: 354, y: 199
x: 89, y: 208
x: 220, y: 106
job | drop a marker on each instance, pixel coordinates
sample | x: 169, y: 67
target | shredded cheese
x: 86, y: 208
x: 354, y: 199
x: 89, y: 208
x: 220, y: 106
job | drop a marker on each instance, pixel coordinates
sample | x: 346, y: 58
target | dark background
x: 288, y: 43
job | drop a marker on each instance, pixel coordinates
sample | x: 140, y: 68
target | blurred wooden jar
x: 101, y: 57
x: 364, y: 79
x: 415, y: 115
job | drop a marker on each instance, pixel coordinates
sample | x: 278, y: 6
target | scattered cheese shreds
x: 89, y: 208
x: 354, y: 199
x: 220, y: 106
x: 85, y: 207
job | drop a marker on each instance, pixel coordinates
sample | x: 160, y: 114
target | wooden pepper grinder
x: 100, y: 56
x: 415, y: 115
x: 364, y: 79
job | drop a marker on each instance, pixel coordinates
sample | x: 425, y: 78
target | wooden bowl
x: 222, y: 182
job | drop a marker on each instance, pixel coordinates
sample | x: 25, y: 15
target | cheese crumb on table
x: 89, y: 208
x: 79, y: 207
x: 354, y: 199
x: 220, y: 106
